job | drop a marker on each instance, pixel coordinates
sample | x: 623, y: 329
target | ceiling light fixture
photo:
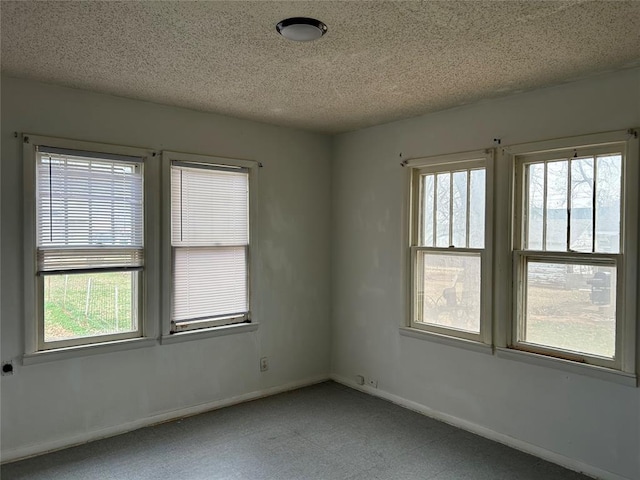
x: 301, y: 29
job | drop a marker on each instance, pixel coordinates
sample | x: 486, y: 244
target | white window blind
x: 89, y: 211
x: 210, y: 239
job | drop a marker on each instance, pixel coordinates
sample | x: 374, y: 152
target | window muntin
x: 89, y: 246
x: 210, y: 245
x: 452, y: 208
x: 573, y: 204
x: 448, y: 260
x: 569, y: 259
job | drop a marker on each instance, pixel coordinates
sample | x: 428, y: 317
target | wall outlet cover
x: 264, y: 364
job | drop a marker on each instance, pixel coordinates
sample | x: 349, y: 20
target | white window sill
x: 84, y: 350
x: 602, y: 373
x: 208, y: 333
x: 446, y: 340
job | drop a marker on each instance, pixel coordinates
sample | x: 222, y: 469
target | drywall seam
x: 485, y: 432
x: 48, y: 447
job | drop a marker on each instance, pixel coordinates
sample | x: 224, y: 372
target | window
x: 571, y: 260
x: 86, y: 216
x: 210, y: 239
x: 554, y: 280
x: 449, y: 259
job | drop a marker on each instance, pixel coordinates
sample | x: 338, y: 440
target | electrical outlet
x: 7, y: 368
x: 264, y: 364
x: 359, y: 379
x: 373, y: 383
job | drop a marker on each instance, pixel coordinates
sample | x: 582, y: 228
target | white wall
x: 54, y: 403
x: 593, y: 421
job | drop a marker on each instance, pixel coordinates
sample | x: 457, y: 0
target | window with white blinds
x: 210, y: 245
x: 89, y: 211
x: 85, y: 241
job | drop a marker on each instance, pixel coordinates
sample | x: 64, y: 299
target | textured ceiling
x: 380, y: 61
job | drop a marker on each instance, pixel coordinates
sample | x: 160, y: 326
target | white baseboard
x: 21, y: 453
x: 485, y: 432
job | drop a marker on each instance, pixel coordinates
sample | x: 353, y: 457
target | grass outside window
x: 88, y: 305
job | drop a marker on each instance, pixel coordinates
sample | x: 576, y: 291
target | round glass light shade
x: 301, y: 29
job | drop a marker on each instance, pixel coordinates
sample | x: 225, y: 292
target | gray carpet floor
x: 326, y: 431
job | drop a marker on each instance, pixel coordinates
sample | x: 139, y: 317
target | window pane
x: 535, y: 206
x: 448, y: 290
x: 427, y: 211
x: 476, y: 208
x: 443, y: 209
x: 460, y: 209
x: 209, y: 281
x: 582, y: 205
x: 557, y: 187
x: 608, y: 180
x: 593, y: 181
x: 86, y: 305
x: 571, y: 307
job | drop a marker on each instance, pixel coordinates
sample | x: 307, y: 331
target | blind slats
x: 210, y: 236
x: 209, y: 282
x: 52, y: 259
x: 89, y: 211
x: 209, y: 207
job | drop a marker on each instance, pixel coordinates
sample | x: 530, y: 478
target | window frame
x: 208, y: 327
x: 35, y: 345
x: 625, y: 260
x: 451, y: 163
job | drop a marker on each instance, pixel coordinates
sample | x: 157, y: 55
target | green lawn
x: 568, y: 319
x: 595, y: 338
x: 88, y: 304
